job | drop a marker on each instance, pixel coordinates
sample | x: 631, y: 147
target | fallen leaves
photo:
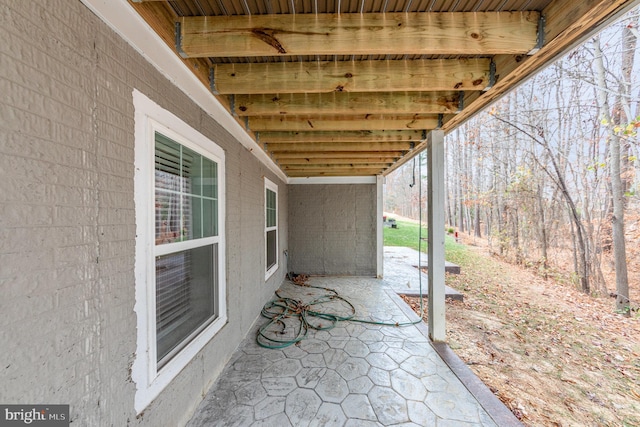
x: 520, y: 337
x: 554, y: 356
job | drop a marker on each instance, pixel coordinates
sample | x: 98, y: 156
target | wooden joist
x: 347, y: 136
x: 162, y: 19
x: 353, y: 155
x: 457, y: 33
x: 352, y: 76
x: 574, y: 18
x: 338, y: 146
x: 309, y: 116
x: 334, y: 172
x: 342, y: 123
x: 337, y: 161
x: 335, y: 166
x: 348, y: 103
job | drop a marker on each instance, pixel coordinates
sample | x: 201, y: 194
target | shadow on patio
x: 355, y: 374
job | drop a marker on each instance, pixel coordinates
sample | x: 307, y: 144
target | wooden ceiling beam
x: 342, y: 123
x: 352, y: 76
x: 375, y: 170
x: 337, y: 161
x: 418, y: 33
x: 334, y: 166
x: 338, y: 146
x: 346, y: 136
x: 285, y: 156
x: 162, y: 19
x: 353, y: 172
x: 578, y: 17
x: 337, y: 103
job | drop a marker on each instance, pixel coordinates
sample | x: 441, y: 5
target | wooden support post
x: 435, y: 167
x: 379, y: 227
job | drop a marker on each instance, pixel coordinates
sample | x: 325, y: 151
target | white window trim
x: 268, y: 184
x: 149, y: 118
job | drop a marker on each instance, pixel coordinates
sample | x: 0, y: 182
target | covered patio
x: 354, y: 374
x: 167, y: 162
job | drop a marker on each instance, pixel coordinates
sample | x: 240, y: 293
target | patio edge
x: 497, y: 410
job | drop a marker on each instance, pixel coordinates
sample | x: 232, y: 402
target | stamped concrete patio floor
x: 356, y: 374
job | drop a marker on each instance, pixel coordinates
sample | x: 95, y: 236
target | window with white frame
x: 271, y: 227
x: 180, y: 280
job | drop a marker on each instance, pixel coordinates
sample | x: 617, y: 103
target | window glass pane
x: 185, y: 296
x: 271, y: 201
x: 215, y: 217
x: 168, y: 181
x: 167, y: 217
x: 271, y: 208
x: 196, y: 221
x: 192, y: 171
x: 185, y: 208
x: 167, y: 163
x: 186, y: 232
x: 209, y: 178
x: 271, y: 248
x: 209, y: 220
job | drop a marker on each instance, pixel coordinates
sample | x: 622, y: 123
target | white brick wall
x: 67, y: 220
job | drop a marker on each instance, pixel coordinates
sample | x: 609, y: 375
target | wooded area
x: 549, y: 174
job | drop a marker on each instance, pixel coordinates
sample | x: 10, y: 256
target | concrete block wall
x: 67, y: 220
x: 332, y: 229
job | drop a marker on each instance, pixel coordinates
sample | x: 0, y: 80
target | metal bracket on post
x: 179, y: 40
x: 246, y: 122
x: 540, y: 41
x: 440, y: 121
x: 232, y: 105
x: 212, y: 81
x: 412, y: 145
x: 424, y: 134
x: 492, y: 76
x: 460, y: 101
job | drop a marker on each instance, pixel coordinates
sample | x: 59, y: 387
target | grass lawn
x: 407, y: 235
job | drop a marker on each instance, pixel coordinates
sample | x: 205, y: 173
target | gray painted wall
x: 67, y: 220
x: 332, y: 229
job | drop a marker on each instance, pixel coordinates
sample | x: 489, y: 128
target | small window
x: 271, y: 227
x: 180, y: 246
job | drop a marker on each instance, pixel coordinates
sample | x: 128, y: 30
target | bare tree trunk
x: 542, y: 229
x: 575, y: 247
x: 617, y: 188
x: 559, y: 179
x: 460, y: 188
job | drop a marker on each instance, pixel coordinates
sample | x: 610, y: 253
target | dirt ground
x: 554, y: 356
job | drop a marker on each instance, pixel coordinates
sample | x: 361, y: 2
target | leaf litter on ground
x: 552, y: 354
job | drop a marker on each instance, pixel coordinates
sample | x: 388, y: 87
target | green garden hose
x: 291, y: 319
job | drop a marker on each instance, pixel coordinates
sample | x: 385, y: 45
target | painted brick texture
x: 332, y: 229
x: 67, y: 219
